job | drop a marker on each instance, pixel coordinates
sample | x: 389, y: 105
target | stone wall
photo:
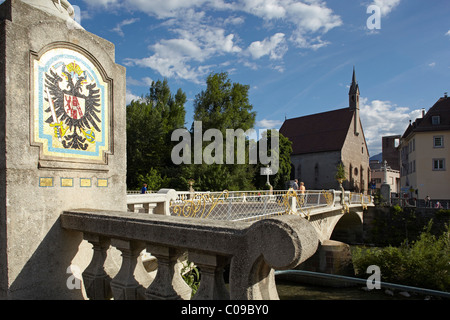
x: 39, y: 175
x: 355, y: 155
x: 317, y: 170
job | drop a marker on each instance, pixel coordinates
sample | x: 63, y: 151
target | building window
x: 435, y: 120
x: 438, y: 141
x: 438, y: 164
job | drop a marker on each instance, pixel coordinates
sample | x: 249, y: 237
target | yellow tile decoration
x: 66, y: 182
x: 85, y: 182
x: 102, y: 182
x: 45, y: 182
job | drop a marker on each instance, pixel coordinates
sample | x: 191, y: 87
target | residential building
x: 321, y: 141
x: 377, y: 176
x: 425, y: 154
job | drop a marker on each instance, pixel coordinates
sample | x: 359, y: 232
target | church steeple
x: 353, y: 97
x: 353, y: 94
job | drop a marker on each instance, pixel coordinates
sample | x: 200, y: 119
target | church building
x: 321, y: 141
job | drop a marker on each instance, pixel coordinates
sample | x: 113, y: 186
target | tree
x: 150, y: 122
x: 222, y: 105
x: 340, y: 175
x: 278, y: 180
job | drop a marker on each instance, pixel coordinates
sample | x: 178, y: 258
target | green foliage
x: 424, y: 263
x: 191, y: 276
x: 222, y: 105
x: 340, y: 173
x: 150, y: 123
x: 391, y: 226
x: 278, y: 181
x: 153, y: 180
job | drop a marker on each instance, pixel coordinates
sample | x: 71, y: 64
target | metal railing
x: 256, y: 205
x: 346, y: 279
x: 244, y: 205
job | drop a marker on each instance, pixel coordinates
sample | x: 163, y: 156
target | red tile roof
x: 319, y: 132
x: 442, y: 109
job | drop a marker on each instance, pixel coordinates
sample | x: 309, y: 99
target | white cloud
x: 275, y: 47
x: 196, y: 42
x: 233, y: 20
x: 268, y: 9
x: 268, y: 124
x: 386, y: 6
x: 448, y: 33
x: 308, y: 18
x: 432, y: 64
x: 171, y: 67
x: 126, y: 22
x: 199, y: 36
x: 161, y: 9
x: 382, y: 118
x: 146, y: 81
x: 129, y: 96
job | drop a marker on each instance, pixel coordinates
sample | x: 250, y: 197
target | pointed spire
x: 354, y: 86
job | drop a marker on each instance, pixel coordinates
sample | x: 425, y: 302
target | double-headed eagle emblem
x: 73, y: 105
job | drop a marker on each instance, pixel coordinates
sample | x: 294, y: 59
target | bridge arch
x: 349, y: 228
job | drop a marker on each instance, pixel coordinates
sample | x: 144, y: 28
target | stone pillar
x: 62, y: 144
x: 385, y: 188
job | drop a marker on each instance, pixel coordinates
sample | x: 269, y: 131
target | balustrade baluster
x: 168, y: 283
x: 124, y: 285
x: 212, y: 285
x: 96, y: 280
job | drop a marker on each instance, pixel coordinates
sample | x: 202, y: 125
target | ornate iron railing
x: 244, y: 205
x: 249, y: 205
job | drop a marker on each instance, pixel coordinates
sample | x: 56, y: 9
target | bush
x: 424, y: 263
x: 391, y: 226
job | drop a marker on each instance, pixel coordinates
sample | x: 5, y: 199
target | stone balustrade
x: 157, y: 203
x: 252, y: 250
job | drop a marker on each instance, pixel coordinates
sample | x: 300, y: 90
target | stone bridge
x: 323, y: 209
x: 66, y: 230
x: 257, y: 234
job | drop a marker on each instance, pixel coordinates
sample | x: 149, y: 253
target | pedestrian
x: 144, y: 189
x: 427, y: 201
x: 302, y: 188
x: 295, y: 186
x: 302, y: 193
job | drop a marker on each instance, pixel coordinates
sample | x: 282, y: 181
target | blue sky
x: 296, y: 56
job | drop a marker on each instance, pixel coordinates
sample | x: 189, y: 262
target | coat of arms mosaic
x: 71, y: 107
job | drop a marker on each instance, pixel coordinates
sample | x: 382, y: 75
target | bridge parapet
x: 247, y: 205
x: 253, y: 251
